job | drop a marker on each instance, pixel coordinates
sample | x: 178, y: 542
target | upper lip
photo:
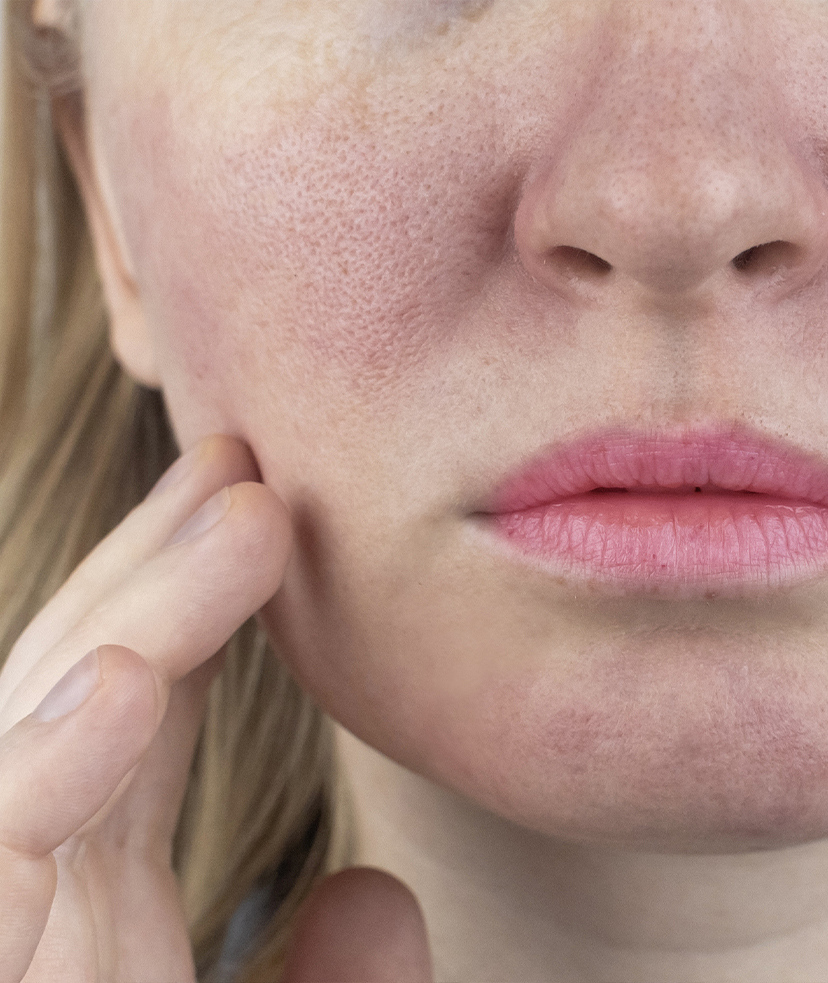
x: 730, y: 458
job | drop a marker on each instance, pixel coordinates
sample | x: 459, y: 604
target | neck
x: 504, y: 903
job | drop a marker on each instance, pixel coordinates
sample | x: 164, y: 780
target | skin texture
x: 362, y: 236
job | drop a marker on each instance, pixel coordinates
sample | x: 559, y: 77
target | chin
x: 699, y: 755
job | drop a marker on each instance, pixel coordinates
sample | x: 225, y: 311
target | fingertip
x: 118, y: 660
x: 361, y: 925
x: 266, y: 517
x: 228, y: 456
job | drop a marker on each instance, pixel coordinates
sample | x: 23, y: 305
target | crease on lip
x: 718, y: 458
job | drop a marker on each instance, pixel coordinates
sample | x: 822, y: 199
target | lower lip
x: 691, y: 541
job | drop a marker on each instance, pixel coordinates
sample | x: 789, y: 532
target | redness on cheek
x: 362, y: 254
x: 364, y: 233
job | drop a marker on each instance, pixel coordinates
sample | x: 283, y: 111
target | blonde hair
x: 80, y: 445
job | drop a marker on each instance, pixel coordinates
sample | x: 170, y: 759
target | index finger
x: 182, y: 605
x: 212, y: 464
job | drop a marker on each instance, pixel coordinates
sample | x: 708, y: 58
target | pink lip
x: 760, y: 519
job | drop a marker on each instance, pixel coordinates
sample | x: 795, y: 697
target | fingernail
x: 211, y: 512
x: 175, y: 473
x: 72, y: 690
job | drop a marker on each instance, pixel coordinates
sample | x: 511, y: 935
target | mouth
x: 680, y: 513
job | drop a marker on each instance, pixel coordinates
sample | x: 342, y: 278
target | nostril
x: 578, y: 262
x: 765, y: 258
x: 743, y: 260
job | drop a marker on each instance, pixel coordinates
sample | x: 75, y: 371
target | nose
x: 682, y: 168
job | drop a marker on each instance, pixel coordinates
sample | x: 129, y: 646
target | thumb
x: 359, y: 926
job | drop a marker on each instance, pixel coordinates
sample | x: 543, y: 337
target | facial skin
x: 331, y: 230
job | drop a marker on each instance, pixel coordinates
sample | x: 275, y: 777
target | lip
x: 620, y: 509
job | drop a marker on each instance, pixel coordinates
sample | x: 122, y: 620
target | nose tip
x: 669, y: 224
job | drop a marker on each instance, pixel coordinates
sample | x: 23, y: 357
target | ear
x: 130, y: 337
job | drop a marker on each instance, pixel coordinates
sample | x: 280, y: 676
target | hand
x: 89, y: 801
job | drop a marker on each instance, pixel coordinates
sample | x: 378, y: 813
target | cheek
x: 395, y: 23
x: 363, y: 241
x: 314, y: 249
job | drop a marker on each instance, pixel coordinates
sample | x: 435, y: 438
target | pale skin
x: 331, y: 231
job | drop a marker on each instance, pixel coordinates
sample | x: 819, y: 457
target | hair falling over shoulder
x: 80, y: 445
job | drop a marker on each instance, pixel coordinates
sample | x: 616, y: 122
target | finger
x: 212, y: 464
x: 145, y: 820
x: 114, y: 918
x: 359, y: 926
x: 182, y: 606
x: 124, y: 889
x: 54, y: 776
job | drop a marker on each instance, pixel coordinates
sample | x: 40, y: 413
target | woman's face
x: 363, y: 236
